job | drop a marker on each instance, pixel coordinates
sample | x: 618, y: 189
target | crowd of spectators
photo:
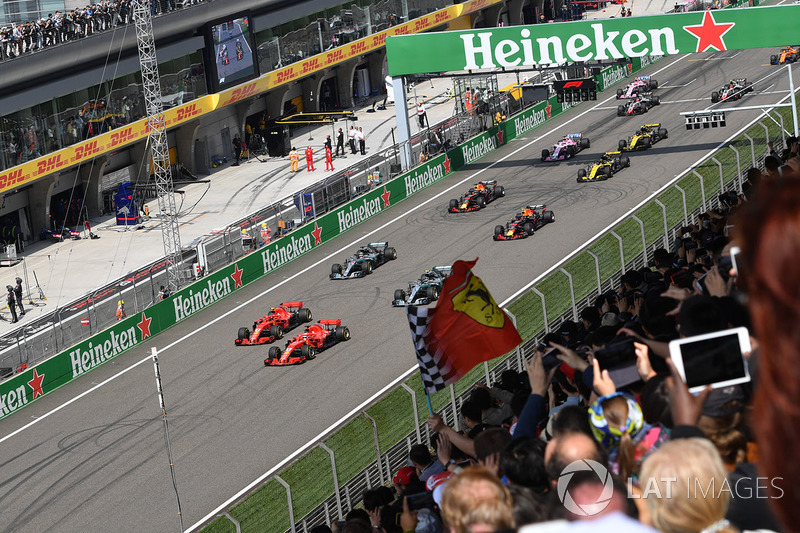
x: 721, y: 460
x: 59, y: 27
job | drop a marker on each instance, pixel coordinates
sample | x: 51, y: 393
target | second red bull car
x: 478, y: 196
x: 525, y: 223
x: 305, y: 346
x: 272, y: 326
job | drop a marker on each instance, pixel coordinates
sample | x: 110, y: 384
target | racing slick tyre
x: 273, y: 353
x: 309, y: 352
x: 652, y: 85
x: 243, y: 334
x: 773, y: 60
x: 581, y: 174
x: 662, y: 133
x: 569, y: 151
x: 655, y: 100
x: 342, y: 333
x: 390, y: 254
x: 432, y: 293
x: 605, y: 173
x: 276, y: 331
x: 367, y: 267
x: 336, y: 268
x: 545, y: 154
x: 645, y: 143
x: 714, y: 97
x: 499, y: 192
x: 625, y: 161
x: 400, y: 294
x: 585, y: 143
x: 549, y: 216
x: 481, y: 201
x: 622, y: 145
x: 620, y: 110
x: 619, y: 94
x: 453, y: 204
x: 498, y: 230
x: 527, y: 228
x: 304, y: 314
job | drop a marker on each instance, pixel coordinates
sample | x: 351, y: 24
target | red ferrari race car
x: 477, y: 197
x: 305, y: 346
x: 271, y: 327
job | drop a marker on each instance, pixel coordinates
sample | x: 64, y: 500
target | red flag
x: 466, y: 328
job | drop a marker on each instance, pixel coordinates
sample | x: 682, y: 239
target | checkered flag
x: 434, y: 377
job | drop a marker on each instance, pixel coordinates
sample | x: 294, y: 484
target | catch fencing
x: 310, y: 489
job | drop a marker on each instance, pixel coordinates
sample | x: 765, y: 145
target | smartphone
x: 620, y: 361
x: 700, y: 284
x: 735, y: 250
x: 549, y: 359
x: 715, y: 359
x: 420, y: 501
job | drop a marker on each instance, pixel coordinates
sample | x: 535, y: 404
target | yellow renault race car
x: 604, y: 168
x: 644, y: 138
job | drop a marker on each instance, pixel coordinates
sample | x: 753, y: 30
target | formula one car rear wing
x: 374, y: 244
x: 292, y: 304
x: 537, y: 206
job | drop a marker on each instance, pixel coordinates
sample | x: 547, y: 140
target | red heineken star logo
x: 317, y: 233
x: 499, y: 136
x: 36, y: 384
x: 237, y: 276
x: 709, y: 33
x: 144, y: 326
x: 385, y: 197
x: 548, y: 109
x: 446, y: 164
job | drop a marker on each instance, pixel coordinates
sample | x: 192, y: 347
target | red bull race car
x: 733, y: 90
x: 305, y: 346
x: 642, y: 84
x: 477, y: 197
x: 272, y: 326
x: 566, y: 148
x: 525, y: 223
x: 640, y: 105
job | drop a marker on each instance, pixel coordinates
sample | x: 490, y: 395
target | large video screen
x: 230, y: 52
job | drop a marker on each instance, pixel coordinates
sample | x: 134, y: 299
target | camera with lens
x: 689, y: 244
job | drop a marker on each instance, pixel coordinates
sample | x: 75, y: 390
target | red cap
x: 404, y: 475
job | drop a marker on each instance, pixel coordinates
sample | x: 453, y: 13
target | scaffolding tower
x: 157, y: 138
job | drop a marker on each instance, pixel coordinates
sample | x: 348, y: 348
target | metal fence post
x: 453, y: 404
x: 685, y: 211
x: 766, y: 131
x: 644, y: 240
x: 621, y: 250
x: 721, y: 178
x: 738, y: 166
x: 571, y: 294
x: 335, y: 479
x: 544, y: 309
x: 666, y: 226
x: 752, y: 148
x: 597, y: 271
x: 486, y: 373
x: 288, y: 501
x: 413, y: 394
x: 702, y: 189
x: 377, y: 445
x: 520, y: 365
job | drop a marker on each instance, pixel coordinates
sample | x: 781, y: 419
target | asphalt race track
x: 100, y: 463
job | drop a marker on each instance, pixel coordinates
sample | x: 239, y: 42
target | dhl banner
x: 101, y: 144
x: 38, y: 168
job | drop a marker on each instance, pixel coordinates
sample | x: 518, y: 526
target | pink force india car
x: 642, y: 84
x: 566, y: 148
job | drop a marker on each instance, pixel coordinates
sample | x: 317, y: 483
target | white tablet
x: 715, y: 359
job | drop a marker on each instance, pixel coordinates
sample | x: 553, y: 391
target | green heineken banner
x: 60, y: 369
x: 596, y: 40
